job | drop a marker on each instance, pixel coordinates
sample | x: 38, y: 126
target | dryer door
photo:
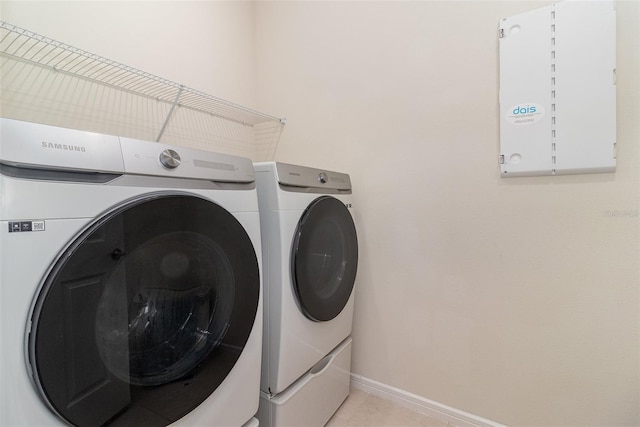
x: 324, y: 259
x: 145, y: 313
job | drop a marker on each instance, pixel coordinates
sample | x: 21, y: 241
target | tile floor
x: 365, y: 410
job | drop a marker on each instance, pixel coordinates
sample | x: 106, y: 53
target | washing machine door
x: 145, y: 313
x: 324, y: 259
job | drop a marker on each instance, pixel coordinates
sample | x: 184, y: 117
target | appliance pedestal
x: 314, y: 397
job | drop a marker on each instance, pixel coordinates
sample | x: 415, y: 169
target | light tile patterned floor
x: 365, y: 410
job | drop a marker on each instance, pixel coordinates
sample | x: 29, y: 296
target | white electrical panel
x: 557, y: 90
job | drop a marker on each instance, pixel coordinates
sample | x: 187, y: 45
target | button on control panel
x: 323, y: 178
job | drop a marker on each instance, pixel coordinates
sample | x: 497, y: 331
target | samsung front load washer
x: 310, y: 250
x: 130, y: 287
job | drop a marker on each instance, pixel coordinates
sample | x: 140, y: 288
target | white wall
x: 516, y: 300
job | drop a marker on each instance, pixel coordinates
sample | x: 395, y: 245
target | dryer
x: 130, y: 287
x: 310, y: 251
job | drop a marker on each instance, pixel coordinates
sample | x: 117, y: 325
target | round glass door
x: 145, y: 313
x: 324, y: 259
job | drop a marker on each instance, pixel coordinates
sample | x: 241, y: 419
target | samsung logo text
x: 64, y: 147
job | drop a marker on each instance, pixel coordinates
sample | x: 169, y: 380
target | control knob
x: 323, y: 178
x: 170, y: 159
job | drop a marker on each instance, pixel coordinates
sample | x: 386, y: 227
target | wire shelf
x: 47, y: 81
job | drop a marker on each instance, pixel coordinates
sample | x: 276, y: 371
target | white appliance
x: 310, y: 260
x: 130, y: 287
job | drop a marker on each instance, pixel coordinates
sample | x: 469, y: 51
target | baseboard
x: 420, y: 404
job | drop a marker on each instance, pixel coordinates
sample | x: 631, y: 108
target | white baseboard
x: 420, y: 404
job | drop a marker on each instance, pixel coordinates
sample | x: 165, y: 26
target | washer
x: 130, y: 287
x: 310, y: 260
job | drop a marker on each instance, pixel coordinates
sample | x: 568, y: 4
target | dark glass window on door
x: 146, y: 313
x: 324, y: 259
